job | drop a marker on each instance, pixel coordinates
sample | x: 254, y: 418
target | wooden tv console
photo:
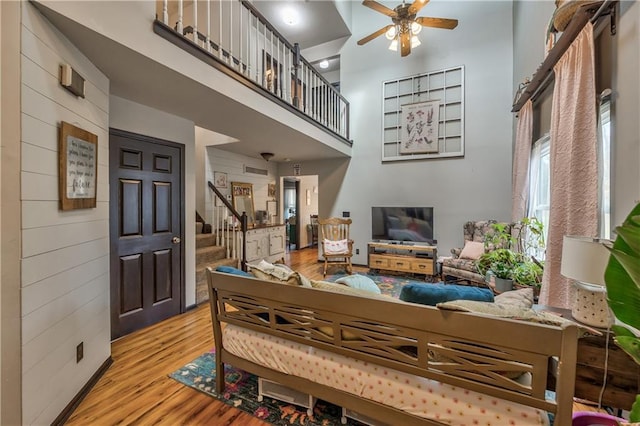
x: 412, y: 258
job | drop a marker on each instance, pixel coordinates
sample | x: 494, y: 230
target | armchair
x: 461, y: 265
x: 337, y: 247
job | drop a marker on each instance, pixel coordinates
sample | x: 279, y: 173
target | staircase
x: 208, y: 255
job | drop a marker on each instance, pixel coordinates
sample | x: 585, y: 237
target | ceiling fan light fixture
x: 391, y: 33
x: 394, y: 45
x: 415, y: 42
x: 415, y: 28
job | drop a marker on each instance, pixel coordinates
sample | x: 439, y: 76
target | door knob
x: 175, y: 240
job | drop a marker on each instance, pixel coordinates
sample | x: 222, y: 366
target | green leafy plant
x: 622, y: 278
x: 510, y: 248
x: 527, y: 273
x: 499, y: 261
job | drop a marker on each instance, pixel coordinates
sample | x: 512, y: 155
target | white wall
x: 475, y: 187
x: 233, y: 165
x: 144, y: 120
x: 65, y: 254
x: 10, y: 254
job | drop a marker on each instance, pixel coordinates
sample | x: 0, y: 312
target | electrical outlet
x: 357, y: 251
x: 79, y: 352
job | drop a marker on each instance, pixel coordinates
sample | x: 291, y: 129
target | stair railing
x: 227, y: 231
x: 236, y: 34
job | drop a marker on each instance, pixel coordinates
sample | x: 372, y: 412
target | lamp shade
x: 584, y: 259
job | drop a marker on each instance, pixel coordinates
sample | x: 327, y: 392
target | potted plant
x: 501, y: 263
x: 622, y: 279
x: 511, y: 254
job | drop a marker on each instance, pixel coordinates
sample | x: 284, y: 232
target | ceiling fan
x: 406, y: 26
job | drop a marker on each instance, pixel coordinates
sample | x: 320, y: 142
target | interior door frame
x: 112, y: 226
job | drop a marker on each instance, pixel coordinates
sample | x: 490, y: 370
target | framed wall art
x: 404, y: 95
x: 419, y: 133
x: 78, y: 167
x: 220, y: 179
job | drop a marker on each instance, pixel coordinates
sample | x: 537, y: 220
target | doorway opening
x: 300, y: 210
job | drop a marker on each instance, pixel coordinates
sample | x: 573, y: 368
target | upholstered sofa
x: 464, y: 267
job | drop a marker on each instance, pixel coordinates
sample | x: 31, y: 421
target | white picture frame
x: 220, y: 179
x: 419, y: 127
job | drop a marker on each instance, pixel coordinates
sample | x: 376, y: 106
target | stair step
x: 202, y: 293
x: 205, y: 240
x: 210, y: 254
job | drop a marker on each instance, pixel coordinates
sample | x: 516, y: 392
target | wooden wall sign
x: 78, y: 167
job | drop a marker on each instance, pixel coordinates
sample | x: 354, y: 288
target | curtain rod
x: 544, y: 72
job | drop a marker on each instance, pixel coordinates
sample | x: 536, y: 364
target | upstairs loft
x: 227, y: 70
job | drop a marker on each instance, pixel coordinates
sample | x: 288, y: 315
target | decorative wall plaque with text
x: 78, y: 167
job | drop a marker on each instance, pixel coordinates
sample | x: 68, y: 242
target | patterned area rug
x: 242, y: 392
x: 389, y: 285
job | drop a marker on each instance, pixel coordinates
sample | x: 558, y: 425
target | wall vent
x: 253, y: 170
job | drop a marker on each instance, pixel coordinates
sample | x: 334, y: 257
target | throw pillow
x: 513, y: 312
x: 472, y: 250
x: 359, y: 281
x: 278, y: 273
x: 233, y: 271
x: 336, y: 247
x: 432, y: 294
x: 522, y: 298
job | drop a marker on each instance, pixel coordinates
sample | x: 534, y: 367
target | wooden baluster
x: 179, y: 23
x: 195, y: 21
x: 208, y: 39
x: 165, y: 12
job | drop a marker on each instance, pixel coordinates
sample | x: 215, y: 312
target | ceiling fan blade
x: 417, y: 5
x: 379, y: 8
x: 374, y: 35
x: 405, y: 44
x: 447, y: 24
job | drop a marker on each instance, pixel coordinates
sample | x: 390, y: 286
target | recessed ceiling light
x: 324, y: 64
x: 290, y: 16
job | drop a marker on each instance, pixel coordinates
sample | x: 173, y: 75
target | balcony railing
x: 238, y: 36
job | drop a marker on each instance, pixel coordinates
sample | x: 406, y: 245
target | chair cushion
x: 361, y: 282
x: 432, y: 294
x: 233, y: 271
x: 472, y: 250
x: 336, y: 247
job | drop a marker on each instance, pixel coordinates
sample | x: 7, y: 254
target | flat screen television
x: 402, y: 224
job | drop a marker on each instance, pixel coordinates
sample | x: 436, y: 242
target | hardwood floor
x: 136, y: 389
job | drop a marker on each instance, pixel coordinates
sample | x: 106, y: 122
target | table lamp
x: 584, y: 260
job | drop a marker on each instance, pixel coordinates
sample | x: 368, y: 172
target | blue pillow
x: 359, y: 281
x: 432, y: 294
x: 233, y: 271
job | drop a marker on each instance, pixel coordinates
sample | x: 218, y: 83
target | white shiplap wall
x: 233, y: 165
x: 65, y: 255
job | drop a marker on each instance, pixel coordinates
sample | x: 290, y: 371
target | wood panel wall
x: 65, y: 274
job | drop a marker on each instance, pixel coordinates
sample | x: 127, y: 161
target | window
x: 540, y: 185
x: 604, y: 139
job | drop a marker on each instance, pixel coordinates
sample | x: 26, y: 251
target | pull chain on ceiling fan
x: 406, y: 25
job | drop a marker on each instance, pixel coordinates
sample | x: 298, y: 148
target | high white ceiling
x: 318, y: 20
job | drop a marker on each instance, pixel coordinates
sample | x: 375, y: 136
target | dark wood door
x: 146, y: 215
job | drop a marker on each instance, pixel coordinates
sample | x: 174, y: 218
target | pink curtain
x: 574, y: 167
x: 521, y: 161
